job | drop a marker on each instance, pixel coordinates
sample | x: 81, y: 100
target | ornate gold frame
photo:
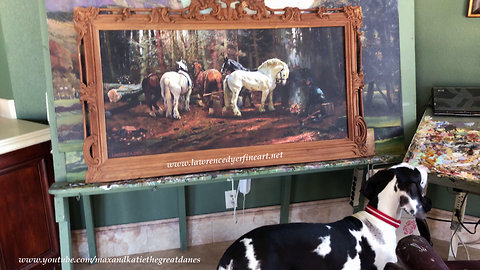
x: 473, y: 8
x: 89, y: 21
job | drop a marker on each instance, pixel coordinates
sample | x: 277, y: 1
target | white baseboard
x: 159, y: 235
x: 7, y: 108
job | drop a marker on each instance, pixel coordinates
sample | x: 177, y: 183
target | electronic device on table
x: 457, y: 101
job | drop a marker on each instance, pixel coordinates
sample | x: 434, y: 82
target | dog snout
x: 423, y: 208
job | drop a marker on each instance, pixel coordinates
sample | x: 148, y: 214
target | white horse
x: 174, y: 84
x: 264, y: 80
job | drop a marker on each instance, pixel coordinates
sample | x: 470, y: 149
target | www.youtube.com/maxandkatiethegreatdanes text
x: 225, y: 160
x: 112, y: 260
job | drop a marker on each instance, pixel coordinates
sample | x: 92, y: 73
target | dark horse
x: 229, y: 66
x: 208, y: 83
x: 152, y: 90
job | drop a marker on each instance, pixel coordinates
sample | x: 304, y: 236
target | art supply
x: 447, y: 148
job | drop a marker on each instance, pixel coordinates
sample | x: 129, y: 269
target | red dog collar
x: 382, y: 216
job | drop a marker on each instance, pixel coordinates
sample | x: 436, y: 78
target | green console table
x: 63, y: 190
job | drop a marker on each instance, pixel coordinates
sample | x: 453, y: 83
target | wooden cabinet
x: 27, y: 224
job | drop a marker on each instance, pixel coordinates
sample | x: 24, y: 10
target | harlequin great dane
x: 365, y: 240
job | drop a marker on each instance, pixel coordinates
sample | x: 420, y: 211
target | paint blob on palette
x: 448, y: 148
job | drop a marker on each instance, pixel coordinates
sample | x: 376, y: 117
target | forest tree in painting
x: 309, y: 107
x: 380, y: 59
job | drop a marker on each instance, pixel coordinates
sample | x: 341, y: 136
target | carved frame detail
x: 247, y: 14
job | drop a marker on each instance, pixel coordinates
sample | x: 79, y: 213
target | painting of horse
x: 214, y: 108
x: 264, y: 80
x: 229, y: 66
x: 174, y: 84
x: 152, y: 90
x: 209, y: 83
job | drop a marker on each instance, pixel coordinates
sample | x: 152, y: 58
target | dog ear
x: 377, y: 183
x: 405, y: 175
x: 416, y: 176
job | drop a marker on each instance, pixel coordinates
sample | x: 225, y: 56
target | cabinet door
x: 27, y: 226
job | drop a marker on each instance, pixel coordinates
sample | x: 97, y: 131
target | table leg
x: 357, y: 200
x: 62, y: 216
x: 460, y: 204
x: 89, y: 227
x: 182, y: 217
x: 285, y: 199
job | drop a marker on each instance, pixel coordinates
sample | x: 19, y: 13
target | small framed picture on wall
x: 473, y: 8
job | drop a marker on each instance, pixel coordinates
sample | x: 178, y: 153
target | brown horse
x: 209, y: 84
x: 152, y: 90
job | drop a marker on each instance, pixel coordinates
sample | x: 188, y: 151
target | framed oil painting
x: 218, y: 85
x: 473, y: 8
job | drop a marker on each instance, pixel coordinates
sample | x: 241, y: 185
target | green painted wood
x: 89, y: 226
x: 286, y: 195
x: 182, y: 217
x: 406, y: 20
x: 5, y: 84
x: 132, y: 207
x: 73, y: 189
x: 321, y: 186
x: 128, y: 207
x: 20, y: 19
x: 440, y: 191
x: 62, y: 216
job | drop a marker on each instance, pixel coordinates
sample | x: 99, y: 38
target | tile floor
x: 211, y: 253
x: 209, y: 256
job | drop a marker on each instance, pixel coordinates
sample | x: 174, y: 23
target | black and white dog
x: 365, y: 240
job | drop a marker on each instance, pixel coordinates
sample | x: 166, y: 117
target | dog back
x: 301, y: 246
